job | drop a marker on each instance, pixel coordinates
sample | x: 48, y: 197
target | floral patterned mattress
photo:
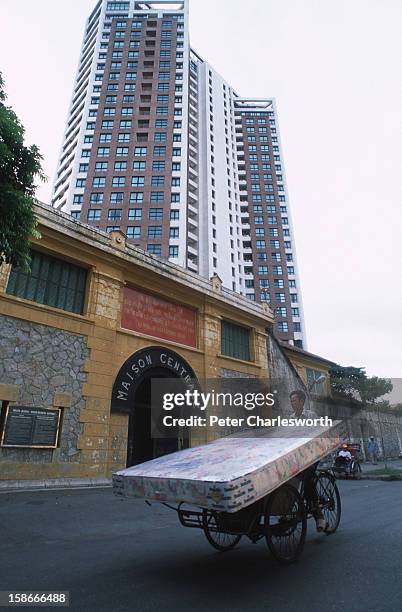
x: 229, y: 473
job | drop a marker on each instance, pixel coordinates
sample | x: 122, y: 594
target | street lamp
x: 316, y: 381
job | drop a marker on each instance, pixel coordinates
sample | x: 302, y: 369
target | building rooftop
x: 307, y: 354
x: 115, y: 244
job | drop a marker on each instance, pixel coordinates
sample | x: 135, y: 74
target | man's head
x: 297, y: 400
x: 372, y: 438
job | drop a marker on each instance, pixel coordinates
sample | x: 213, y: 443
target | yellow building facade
x: 312, y: 369
x: 85, y: 329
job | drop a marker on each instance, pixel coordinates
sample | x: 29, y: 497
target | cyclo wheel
x: 330, y: 500
x: 285, y: 523
x: 219, y: 539
x: 357, y: 470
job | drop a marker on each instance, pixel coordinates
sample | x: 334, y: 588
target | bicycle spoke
x: 286, y: 524
x: 217, y: 537
x: 329, y: 499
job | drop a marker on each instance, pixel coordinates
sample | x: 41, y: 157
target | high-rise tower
x: 159, y: 145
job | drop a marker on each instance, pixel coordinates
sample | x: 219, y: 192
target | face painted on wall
x: 297, y: 401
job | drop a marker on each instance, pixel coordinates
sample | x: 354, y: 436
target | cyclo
x: 280, y: 517
x: 243, y: 485
x: 345, y: 467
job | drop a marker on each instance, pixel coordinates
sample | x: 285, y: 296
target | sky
x: 334, y: 68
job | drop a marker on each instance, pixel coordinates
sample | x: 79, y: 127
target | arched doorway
x: 132, y: 395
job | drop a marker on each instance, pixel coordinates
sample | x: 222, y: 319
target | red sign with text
x: 147, y: 314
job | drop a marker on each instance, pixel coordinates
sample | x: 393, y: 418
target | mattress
x: 229, y: 473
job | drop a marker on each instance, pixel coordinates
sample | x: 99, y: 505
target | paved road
x: 122, y: 555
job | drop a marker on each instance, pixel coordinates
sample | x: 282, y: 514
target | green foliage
x: 19, y: 167
x: 354, y: 383
x: 397, y: 408
x: 372, y: 388
x: 345, y: 380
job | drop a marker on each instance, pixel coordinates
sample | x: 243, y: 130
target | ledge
x: 252, y: 364
x: 7, y: 486
x: 159, y: 340
x: 44, y: 308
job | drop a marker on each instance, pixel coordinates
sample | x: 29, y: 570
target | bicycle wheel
x: 285, y: 524
x: 219, y: 539
x: 356, y: 470
x: 330, y: 500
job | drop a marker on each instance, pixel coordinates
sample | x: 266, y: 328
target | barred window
x: 51, y: 281
x: 235, y: 341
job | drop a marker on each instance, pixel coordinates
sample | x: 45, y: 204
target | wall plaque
x: 30, y: 427
x: 153, y: 316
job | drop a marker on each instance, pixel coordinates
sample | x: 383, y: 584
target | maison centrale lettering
x: 132, y: 371
x: 153, y: 316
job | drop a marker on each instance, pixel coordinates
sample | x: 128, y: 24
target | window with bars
x: 235, y: 341
x: 51, y: 281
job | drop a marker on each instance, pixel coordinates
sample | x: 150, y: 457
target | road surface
x: 115, y: 555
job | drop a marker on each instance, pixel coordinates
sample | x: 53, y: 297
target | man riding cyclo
x: 344, y: 455
x: 308, y: 476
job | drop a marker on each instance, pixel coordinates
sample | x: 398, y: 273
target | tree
x: 354, y: 383
x: 345, y: 380
x: 372, y: 388
x: 397, y: 408
x: 19, y: 168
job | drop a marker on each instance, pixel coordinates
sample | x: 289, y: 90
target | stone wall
x: 284, y: 377
x: 43, y: 361
x: 361, y: 423
x: 387, y: 429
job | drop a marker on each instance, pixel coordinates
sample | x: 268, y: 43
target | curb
x: 9, y: 486
x: 386, y: 477
x: 12, y: 486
